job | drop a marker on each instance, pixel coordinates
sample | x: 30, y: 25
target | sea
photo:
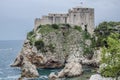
x: 9, y: 50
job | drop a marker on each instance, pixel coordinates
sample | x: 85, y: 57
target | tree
x: 110, y: 62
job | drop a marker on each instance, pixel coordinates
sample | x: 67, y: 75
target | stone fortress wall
x: 80, y: 16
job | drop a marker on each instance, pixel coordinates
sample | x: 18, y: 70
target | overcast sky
x: 17, y: 16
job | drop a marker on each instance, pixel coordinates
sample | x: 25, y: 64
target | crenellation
x: 80, y: 16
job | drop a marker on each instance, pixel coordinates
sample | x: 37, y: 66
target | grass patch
x: 31, y: 37
x: 86, y: 35
x: 48, y: 28
x: 78, y: 28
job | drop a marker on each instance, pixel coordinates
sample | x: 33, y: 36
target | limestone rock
x: 61, y: 46
x: 29, y: 70
x: 71, y: 70
x: 53, y: 64
x: 88, y: 42
x: 18, y: 61
x: 99, y: 77
x: 53, y: 76
x: 95, y: 61
x: 97, y: 55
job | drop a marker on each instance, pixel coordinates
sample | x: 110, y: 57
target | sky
x: 17, y: 16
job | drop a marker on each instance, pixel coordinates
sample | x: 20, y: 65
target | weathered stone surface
x: 88, y: 42
x: 53, y: 64
x: 62, y: 47
x: 53, y: 76
x: 18, y: 61
x: 71, y: 70
x: 99, y: 77
x: 80, y: 16
x: 29, y: 70
x: 97, y: 55
x: 95, y: 61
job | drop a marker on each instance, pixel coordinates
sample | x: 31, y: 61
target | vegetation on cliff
x: 62, y: 39
x: 104, y: 29
x: 110, y: 62
x: 108, y: 37
x: 61, y: 29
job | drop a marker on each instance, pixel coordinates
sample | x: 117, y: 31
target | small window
x: 86, y: 27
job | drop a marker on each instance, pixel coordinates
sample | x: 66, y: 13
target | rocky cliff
x: 56, y: 46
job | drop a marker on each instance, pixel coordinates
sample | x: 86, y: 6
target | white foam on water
x: 11, y: 77
x: 44, y: 77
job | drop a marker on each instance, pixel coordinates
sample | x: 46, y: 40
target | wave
x: 11, y: 77
x: 7, y: 49
x: 42, y: 77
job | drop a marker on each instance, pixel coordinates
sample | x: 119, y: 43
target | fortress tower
x: 80, y: 16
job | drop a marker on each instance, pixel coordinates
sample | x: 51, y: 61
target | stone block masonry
x: 80, y: 16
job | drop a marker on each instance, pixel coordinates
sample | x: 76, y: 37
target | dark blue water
x: 8, y: 52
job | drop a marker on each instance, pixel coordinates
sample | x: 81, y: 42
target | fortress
x: 80, y: 16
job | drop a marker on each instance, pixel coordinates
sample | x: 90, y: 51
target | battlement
x: 81, y: 10
x: 80, y: 16
x: 57, y: 15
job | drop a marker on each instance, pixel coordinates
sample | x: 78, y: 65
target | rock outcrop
x: 55, y: 46
x: 94, y: 61
x: 29, y: 70
x: 71, y: 69
x: 99, y: 77
x: 53, y: 76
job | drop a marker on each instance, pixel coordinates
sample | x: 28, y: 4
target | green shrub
x: 78, y: 28
x: 39, y: 45
x: 93, y: 45
x: 104, y: 29
x: 31, y: 37
x: 110, y: 62
x: 39, y: 27
x: 86, y: 35
x: 66, y: 25
x: 51, y: 47
x: 55, y: 26
x: 88, y: 52
x: 29, y: 34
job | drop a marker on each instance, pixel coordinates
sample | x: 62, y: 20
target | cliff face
x: 60, y: 42
x: 56, y: 46
x: 51, y: 46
